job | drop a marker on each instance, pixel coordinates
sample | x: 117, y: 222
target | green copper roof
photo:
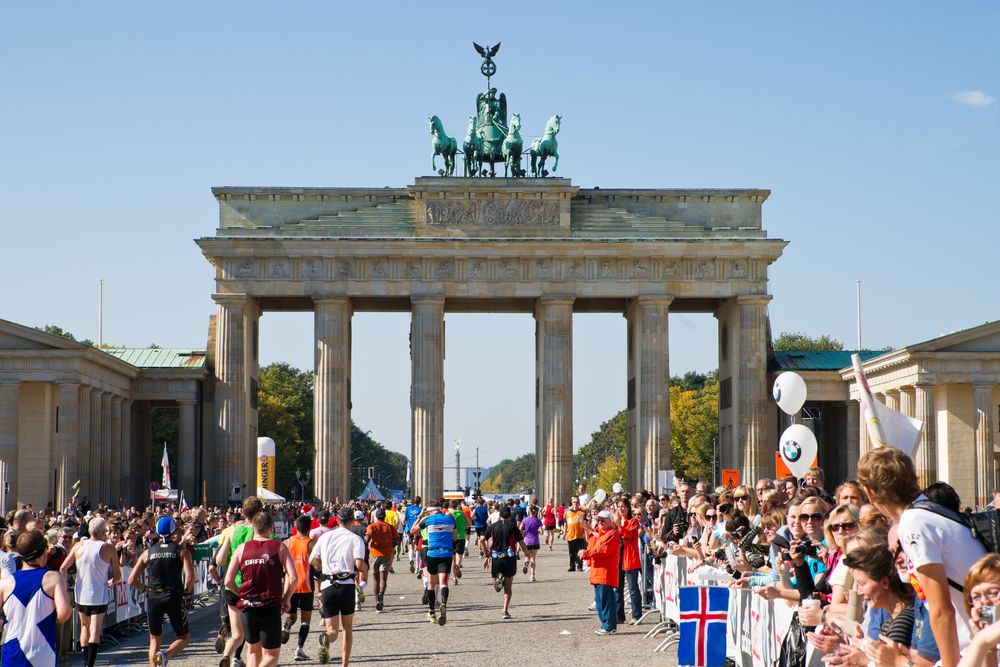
x: 817, y: 361
x: 159, y: 357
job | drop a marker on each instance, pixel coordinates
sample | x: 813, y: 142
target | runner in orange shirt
x: 300, y: 546
x: 381, y: 537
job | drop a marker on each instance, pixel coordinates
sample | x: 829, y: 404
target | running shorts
x: 92, y: 609
x: 173, y: 607
x: 532, y: 547
x: 231, y: 598
x: 381, y: 563
x: 549, y: 529
x: 437, y: 565
x: 480, y: 532
x: 459, y: 546
x: 337, y: 600
x: 263, y: 625
x: 506, y: 565
x: 303, y: 601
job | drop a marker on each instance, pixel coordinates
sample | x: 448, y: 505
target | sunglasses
x: 710, y: 515
x: 847, y: 525
x: 818, y: 516
x: 739, y: 498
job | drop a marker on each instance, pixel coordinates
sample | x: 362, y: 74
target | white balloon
x: 616, y: 487
x: 798, y: 449
x: 789, y: 392
x: 600, y: 496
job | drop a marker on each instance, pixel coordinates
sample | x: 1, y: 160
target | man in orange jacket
x: 603, y: 553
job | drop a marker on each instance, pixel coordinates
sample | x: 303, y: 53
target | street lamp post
x: 303, y: 478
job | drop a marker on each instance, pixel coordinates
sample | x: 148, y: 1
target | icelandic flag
x: 704, y: 611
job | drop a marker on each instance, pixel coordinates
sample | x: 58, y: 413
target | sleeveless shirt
x: 164, y: 569
x: 31, y: 622
x: 262, y: 574
x: 298, y: 545
x: 92, y: 575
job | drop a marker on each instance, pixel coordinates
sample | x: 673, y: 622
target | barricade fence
x: 755, y: 627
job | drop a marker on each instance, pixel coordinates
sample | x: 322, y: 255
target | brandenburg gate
x: 533, y: 245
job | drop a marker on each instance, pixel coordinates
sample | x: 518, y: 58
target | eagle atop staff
x: 488, y: 52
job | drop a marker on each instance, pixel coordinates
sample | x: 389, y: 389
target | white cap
x: 358, y: 515
x: 604, y: 514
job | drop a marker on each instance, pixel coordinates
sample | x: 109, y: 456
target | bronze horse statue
x: 444, y: 146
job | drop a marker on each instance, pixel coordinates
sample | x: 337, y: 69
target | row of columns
x: 917, y: 401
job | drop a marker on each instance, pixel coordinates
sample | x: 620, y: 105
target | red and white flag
x: 184, y: 503
x: 886, y: 427
x: 165, y: 464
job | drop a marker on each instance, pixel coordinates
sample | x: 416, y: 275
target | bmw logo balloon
x: 798, y: 449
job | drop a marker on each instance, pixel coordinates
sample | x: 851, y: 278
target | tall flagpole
x: 100, y: 316
x: 859, y: 315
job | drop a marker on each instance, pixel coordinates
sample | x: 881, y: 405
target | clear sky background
x: 874, y: 125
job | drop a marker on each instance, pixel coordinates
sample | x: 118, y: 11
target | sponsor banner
x: 266, y: 451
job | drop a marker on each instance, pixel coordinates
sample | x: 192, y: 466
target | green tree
x: 165, y: 427
x: 611, y: 470
x: 607, y: 441
x: 56, y: 330
x: 803, y: 342
x: 389, y: 467
x: 694, y: 425
x: 511, y: 476
x: 285, y: 414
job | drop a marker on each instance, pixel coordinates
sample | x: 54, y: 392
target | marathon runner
x: 442, y: 534
x: 549, y: 521
x: 164, y: 563
x: 530, y: 528
x: 360, y: 528
x: 479, y: 516
x: 381, y: 537
x: 338, y: 554
x: 411, y: 515
x: 41, y: 601
x: 502, y: 540
x: 321, y: 524
x: 300, y: 545
x: 268, y: 580
x: 241, y: 532
x: 95, y: 559
x: 459, y: 548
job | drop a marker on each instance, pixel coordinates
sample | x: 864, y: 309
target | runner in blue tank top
x: 410, y: 517
x: 442, y: 533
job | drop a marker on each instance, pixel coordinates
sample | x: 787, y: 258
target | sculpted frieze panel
x: 245, y: 269
x: 490, y: 213
x: 278, y: 269
x: 312, y: 269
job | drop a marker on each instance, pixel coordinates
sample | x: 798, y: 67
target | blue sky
x: 874, y: 124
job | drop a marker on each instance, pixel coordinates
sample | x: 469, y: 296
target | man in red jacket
x: 603, y: 554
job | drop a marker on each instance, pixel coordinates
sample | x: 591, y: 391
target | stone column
x: 758, y: 459
x: 332, y: 398
x: 554, y: 378
x: 130, y: 476
x: 116, y: 472
x: 93, y: 484
x: 232, y: 446
x: 186, y: 455
x: 649, y: 391
x: 427, y: 395
x: 107, y: 448
x: 10, y: 404
x: 853, y: 410
x: 69, y: 434
x: 83, y: 453
x: 892, y: 399
x: 906, y: 401
x: 982, y: 396
x: 927, y: 468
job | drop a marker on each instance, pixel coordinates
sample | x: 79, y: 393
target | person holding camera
x: 982, y: 602
x: 629, y: 564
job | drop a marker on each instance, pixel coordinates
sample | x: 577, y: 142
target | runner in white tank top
x: 97, y: 572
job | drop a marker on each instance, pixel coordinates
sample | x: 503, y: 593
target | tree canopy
x: 803, y: 342
x: 56, y: 330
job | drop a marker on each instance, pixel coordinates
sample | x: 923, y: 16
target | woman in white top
x: 95, y: 559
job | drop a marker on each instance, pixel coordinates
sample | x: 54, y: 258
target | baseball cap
x: 604, y: 514
x: 346, y: 514
x: 380, y: 514
x: 358, y: 515
x: 166, y: 526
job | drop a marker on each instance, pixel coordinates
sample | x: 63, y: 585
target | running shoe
x: 498, y: 583
x: 592, y: 607
x: 224, y: 662
x: 602, y: 632
x: 300, y: 655
x: 458, y: 573
x: 324, y: 648
x: 420, y: 573
x: 238, y: 662
x: 361, y: 594
x: 443, y: 616
x: 532, y: 580
x: 413, y: 568
x: 506, y: 616
x: 161, y: 659
x: 524, y: 569
x: 379, y: 605
x: 220, y: 641
x: 284, y: 631
x: 432, y: 617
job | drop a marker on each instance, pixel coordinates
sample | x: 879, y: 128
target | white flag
x: 408, y: 469
x: 886, y: 427
x: 165, y: 464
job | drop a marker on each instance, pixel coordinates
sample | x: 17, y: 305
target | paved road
x: 550, y: 626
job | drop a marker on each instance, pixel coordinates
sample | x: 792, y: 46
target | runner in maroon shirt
x: 263, y: 562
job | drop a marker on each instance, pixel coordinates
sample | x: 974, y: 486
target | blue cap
x: 166, y: 526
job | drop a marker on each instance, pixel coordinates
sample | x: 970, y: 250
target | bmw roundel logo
x: 791, y: 450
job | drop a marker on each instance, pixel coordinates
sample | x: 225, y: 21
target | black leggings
x: 575, y: 547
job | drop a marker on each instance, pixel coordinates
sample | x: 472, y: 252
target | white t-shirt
x: 584, y: 499
x: 337, y: 550
x: 493, y: 518
x: 929, y: 538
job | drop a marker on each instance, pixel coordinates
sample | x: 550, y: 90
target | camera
x: 747, y: 540
x: 988, y: 615
x: 719, y: 554
x: 756, y: 560
x: 805, y: 549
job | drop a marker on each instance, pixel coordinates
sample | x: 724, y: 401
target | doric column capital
x: 980, y: 382
x: 331, y: 300
x: 654, y: 300
x: 427, y: 299
x: 923, y: 381
x: 754, y: 299
x: 186, y: 401
x: 68, y: 384
x: 231, y: 300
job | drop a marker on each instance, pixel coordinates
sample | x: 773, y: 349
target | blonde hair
x: 752, y: 508
x: 846, y: 508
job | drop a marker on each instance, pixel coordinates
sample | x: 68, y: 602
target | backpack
x: 983, y: 525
